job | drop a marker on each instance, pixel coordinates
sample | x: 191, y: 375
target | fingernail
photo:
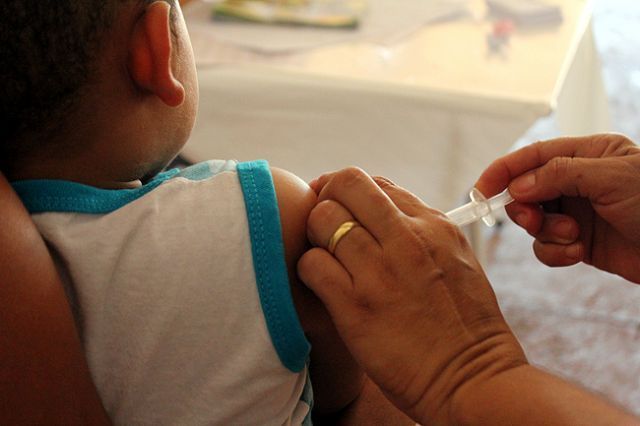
x: 574, y: 251
x: 523, y: 183
x: 313, y: 183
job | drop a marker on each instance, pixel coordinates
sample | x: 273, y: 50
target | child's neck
x: 111, y: 159
x: 86, y: 174
x: 90, y: 166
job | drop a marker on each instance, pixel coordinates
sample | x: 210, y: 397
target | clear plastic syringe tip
x: 479, y: 208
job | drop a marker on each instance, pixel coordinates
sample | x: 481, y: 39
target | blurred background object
x: 424, y: 101
x: 378, y: 21
x: 526, y: 13
x: 317, y: 13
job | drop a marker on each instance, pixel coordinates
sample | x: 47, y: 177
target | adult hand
x: 578, y: 197
x: 406, y: 294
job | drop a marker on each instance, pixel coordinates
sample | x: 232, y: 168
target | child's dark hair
x: 47, y: 55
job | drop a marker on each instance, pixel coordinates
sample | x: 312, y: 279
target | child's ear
x: 149, y: 61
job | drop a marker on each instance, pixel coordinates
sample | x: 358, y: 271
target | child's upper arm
x: 336, y: 378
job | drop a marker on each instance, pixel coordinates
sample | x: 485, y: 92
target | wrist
x: 482, y: 399
x: 526, y: 395
x: 451, y: 397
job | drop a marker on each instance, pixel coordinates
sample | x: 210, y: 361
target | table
x: 430, y: 111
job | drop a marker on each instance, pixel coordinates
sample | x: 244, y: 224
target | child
x: 183, y: 284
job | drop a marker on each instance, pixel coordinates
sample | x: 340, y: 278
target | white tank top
x: 180, y: 292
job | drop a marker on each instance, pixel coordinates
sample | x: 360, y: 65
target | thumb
x: 563, y: 176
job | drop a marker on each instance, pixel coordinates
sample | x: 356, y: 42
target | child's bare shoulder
x: 336, y: 378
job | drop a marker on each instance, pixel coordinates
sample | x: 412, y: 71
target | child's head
x: 108, y: 85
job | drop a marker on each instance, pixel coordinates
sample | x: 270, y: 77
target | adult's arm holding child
x: 44, y: 378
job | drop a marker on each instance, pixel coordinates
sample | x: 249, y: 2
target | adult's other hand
x: 578, y: 197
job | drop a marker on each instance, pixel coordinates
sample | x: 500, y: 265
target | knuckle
x: 558, y: 166
x: 613, y: 142
x: 611, y: 145
x: 570, y: 170
x: 623, y: 140
x: 319, y: 216
x: 323, y: 211
x: 383, y: 182
x: 603, y: 140
x: 351, y: 176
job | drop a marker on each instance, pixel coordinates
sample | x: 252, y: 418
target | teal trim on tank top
x: 200, y: 171
x: 45, y: 195
x: 267, y: 248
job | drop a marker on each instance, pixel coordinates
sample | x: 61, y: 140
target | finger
x: 558, y: 229
x: 358, y: 193
x: 546, y: 227
x: 355, y: 249
x: 314, y: 184
x: 563, y: 176
x: 528, y: 216
x: 318, y: 183
x: 558, y: 254
x: 407, y: 202
x: 327, y: 278
x: 503, y: 170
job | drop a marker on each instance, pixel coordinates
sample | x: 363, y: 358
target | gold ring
x: 340, y: 232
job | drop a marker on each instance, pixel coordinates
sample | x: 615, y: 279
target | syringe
x: 480, y: 208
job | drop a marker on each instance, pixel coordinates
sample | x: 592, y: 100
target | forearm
x: 44, y: 377
x: 528, y: 396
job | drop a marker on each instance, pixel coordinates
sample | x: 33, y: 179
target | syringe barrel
x: 498, y: 201
x: 468, y: 213
x: 479, y: 208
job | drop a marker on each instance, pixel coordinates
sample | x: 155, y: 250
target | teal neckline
x: 50, y: 195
